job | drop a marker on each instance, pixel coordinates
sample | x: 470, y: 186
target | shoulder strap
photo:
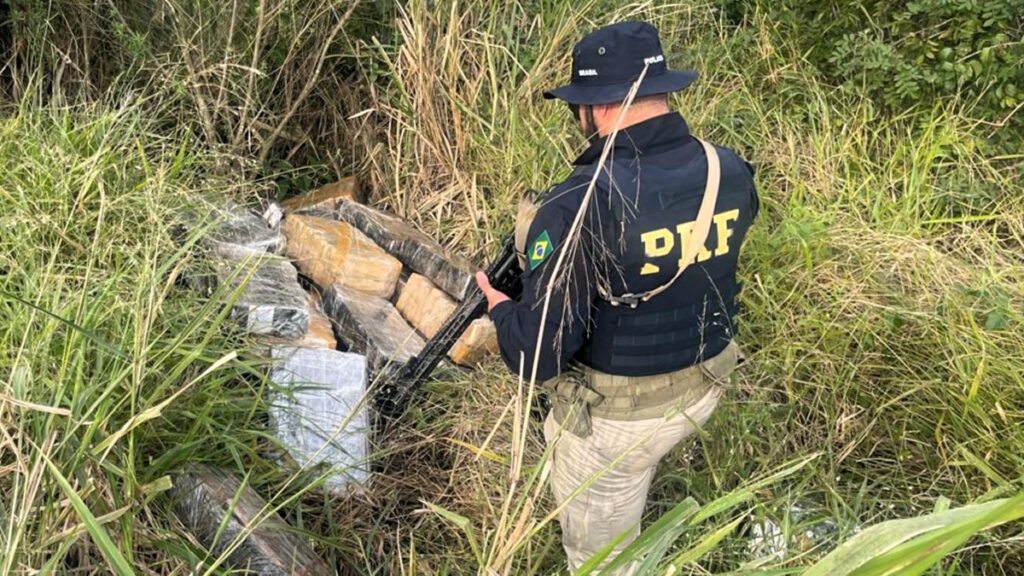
x: 699, y: 236
x: 525, y: 213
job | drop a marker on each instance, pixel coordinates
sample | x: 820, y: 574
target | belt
x: 584, y: 392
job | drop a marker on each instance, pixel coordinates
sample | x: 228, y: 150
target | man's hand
x: 493, y: 295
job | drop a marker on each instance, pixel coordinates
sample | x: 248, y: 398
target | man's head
x: 606, y: 63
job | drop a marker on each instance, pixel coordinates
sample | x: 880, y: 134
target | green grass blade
x: 664, y: 530
x: 110, y: 551
x: 464, y: 524
x: 912, y: 545
x: 705, y: 545
x: 747, y: 491
x: 95, y: 338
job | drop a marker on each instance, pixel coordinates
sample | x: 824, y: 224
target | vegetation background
x: 884, y: 280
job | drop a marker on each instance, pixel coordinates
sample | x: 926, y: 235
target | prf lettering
x: 661, y: 242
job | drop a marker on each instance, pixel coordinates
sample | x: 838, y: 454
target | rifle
x: 504, y: 274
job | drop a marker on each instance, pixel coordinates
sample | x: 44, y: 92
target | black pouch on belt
x: 571, y: 403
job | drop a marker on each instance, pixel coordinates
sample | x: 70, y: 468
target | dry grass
x: 883, y: 290
x: 266, y: 84
x: 885, y: 246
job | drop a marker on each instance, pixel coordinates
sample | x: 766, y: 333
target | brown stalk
x: 310, y: 82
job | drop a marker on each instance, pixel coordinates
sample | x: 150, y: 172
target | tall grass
x: 267, y: 81
x: 882, y: 309
x: 112, y: 375
x: 883, y: 299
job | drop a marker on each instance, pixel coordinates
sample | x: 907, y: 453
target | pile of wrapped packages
x: 339, y: 296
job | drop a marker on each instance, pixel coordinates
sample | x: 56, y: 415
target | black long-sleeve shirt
x: 648, y: 158
x: 564, y: 329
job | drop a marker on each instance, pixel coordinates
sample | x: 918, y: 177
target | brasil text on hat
x: 606, y: 62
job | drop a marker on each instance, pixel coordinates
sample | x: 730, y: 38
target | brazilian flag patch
x: 540, y: 250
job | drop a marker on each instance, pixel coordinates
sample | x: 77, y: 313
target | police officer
x: 635, y: 329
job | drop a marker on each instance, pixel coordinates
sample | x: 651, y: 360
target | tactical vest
x: 644, y: 228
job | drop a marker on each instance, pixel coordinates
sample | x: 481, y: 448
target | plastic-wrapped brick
x: 271, y: 302
x: 220, y: 512
x: 372, y: 326
x: 326, y: 196
x: 332, y: 252
x: 424, y: 305
x: 478, y: 342
x: 415, y: 249
x: 320, y: 333
x: 318, y: 412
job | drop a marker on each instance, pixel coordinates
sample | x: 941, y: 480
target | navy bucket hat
x: 606, y: 62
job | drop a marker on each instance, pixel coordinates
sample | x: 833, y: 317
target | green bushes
x: 904, y: 54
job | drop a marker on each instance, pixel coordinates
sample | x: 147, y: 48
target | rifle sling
x: 697, y: 239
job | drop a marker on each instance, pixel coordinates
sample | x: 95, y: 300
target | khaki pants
x: 615, y: 464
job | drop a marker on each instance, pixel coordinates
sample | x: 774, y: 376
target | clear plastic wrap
x: 215, y: 508
x: 239, y: 227
x: 272, y: 302
x: 318, y: 412
x: 372, y: 326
